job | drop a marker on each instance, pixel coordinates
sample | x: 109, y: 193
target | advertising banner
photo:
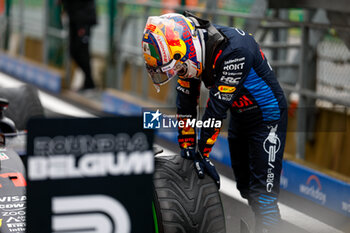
x: 89, y: 175
x: 317, y: 187
x: 12, y: 192
x: 38, y: 76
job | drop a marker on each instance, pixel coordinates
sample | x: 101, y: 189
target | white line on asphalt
x: 228, y: 186
x: 56, y: 105
x: 48, y: 101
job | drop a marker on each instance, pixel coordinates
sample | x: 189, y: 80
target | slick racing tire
x: 183, y: 202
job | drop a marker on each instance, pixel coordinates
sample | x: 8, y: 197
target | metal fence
x: 43, y: 21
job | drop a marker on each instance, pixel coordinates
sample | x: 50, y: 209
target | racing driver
x: 232, y: 66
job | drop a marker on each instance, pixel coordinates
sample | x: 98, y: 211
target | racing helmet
x: 172, y: 47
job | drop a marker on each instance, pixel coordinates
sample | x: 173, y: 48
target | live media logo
x: 151, y: 120
x: 157, y: 120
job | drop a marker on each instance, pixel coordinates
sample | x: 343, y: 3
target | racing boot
x: 267, y: 215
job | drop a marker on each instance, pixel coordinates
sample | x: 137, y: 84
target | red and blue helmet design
x: 171, y: 47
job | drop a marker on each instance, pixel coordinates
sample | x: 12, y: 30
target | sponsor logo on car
x: 12, y: 207
x: 16, y: 178
x: 16, y: 224
x: 13, y: 213
x: 12, y: 199
x: 90, y: 165
x: 3, y: 156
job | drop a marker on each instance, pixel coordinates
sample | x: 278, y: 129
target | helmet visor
x: 162, y: 74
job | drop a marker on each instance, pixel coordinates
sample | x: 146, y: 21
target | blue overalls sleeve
x: 230, y: 75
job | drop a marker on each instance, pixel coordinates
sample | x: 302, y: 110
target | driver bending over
x: 232, y: 66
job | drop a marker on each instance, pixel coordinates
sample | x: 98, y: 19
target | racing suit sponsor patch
x: 230, y: 80
x: 243, y: 101
x: 234, y: 60
x: 226, y: 89
x: 232, y: 73
x: 184, y: 83
x: 243, y: 104
x: 271, y: 146
x: 237, y: 66
x: 223, y: 96
x: 183, y: 90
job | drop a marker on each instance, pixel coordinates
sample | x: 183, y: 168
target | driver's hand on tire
x: 204, y: 165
